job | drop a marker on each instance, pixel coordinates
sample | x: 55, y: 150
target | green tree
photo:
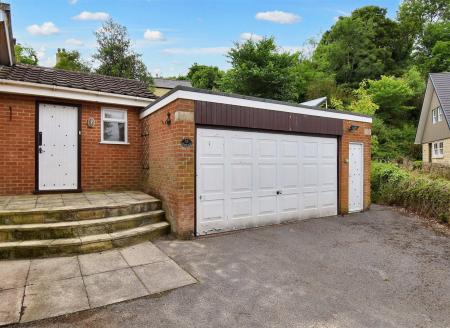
x: 363, y: 102
x: 115, y: 55
x: 362, y: 46
x: 260, y: 69
x: 70, y: 60
x: 25, y: 55
x: 204, y: 77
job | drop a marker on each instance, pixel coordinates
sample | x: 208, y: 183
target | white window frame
x: 437, y: 149
x: 125, y: 120
x: 440, y: 114
x: 437, y: 115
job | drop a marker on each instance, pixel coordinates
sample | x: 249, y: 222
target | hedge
x: 423, y: 195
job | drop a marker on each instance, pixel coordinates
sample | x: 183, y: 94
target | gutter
x: 53, y: 91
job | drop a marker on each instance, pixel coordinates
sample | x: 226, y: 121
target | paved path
x: 37, y: 289
x: 373, y: 269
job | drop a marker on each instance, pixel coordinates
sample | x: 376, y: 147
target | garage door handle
x: 279, y: 192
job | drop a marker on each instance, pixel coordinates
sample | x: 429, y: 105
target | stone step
x: 73, y: 229
x: 81, y: 245
x: 67, y: 213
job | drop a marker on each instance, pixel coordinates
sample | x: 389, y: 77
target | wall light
x: 353, y: 128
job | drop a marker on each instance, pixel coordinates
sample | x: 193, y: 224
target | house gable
x: 434, y: 97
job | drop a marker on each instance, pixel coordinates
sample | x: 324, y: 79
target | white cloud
x: 278, y: 16
x: 87, y: 15
x: 74, y: 42
x: 154, y: 35
x: 46, y: 28
x: 251, y: 36
x: 73, y: 2
x: 196, y: 51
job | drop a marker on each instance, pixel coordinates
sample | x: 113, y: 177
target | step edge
x: 72, y: 224
x: 47, y: 243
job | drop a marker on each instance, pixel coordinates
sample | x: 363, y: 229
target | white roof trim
x: 192, y: 95
x: 46, y: 90
x: 424, y: 112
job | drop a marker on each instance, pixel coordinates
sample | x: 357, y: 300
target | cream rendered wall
x: 438, y: 131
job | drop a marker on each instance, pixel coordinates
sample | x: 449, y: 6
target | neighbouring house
x: 433, y: 131
x: 163, y: 86
x: 217, y: 161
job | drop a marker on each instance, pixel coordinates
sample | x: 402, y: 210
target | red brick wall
x: 104, y: 167
x: 17, y: 146
x: 360, y: 135
x: 107, y: 166
x: 171, y: 173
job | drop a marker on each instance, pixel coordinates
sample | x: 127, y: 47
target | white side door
x: 355, y: 177
x: 58, y: 147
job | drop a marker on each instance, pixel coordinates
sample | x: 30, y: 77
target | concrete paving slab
x: 162, y: 276
x: 13, y: 274
x: 10, y: 305
x: 112, y: 287
x: 46, y: 300
x: 101, y: 262
x: 53, y: 269
x: 144, y: 253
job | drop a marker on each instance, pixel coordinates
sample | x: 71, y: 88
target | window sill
x: 113, y: 143
x: 437, y: 157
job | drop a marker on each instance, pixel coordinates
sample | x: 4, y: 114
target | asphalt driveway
x: 374, y: 269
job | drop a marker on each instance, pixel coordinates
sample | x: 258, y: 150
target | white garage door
x: 248, y: 179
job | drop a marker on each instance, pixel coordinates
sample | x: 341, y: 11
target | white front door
x: 57, y: 147
x: 355, y: 177
x: 248, y: 179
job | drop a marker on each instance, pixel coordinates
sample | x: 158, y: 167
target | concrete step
x: 81, y: 245
x: 73, y: 229
x: 78, y: 213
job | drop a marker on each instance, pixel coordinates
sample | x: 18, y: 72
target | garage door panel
x: 263, y: 178
x: 241, y: 148
x: 267, y: 149
x: 267, y: 176
x: 241, y: 177
x: 212, y: 146
x: 213, y: 178
x: 241, y: 207
x: 267, y: 205
x: 213, y: 210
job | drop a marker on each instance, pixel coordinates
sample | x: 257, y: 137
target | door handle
x: 40, y: 139
x: 40, y: 150
x: 279, y: 192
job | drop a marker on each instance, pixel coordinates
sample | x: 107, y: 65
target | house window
x: 438, y: 149
x: 114, y: 126
x: 437, y: 114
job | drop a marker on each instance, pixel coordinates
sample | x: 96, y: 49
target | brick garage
x: 172, y: 163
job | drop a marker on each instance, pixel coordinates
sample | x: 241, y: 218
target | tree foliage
x: 70, y: 60
x: 261, y: 69
x: 116, y: 56
x: 361, y: 46
x: 204, y: 77
x: 25, y: 55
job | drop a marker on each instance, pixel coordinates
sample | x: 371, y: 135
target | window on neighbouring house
x: 114, y: 126
x: 437, y: 115
x: 438, y: 149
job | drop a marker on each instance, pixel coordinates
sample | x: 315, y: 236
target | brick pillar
x: 362, y: 134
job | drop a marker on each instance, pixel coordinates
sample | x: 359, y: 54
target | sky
x: 171, y: 35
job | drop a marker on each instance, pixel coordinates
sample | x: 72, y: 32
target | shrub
x: 395, y: 186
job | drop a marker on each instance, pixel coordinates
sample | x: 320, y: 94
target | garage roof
x: 182, y: 92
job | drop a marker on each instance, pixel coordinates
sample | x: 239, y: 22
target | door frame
x: 36, y: 150
x: 362, y: 177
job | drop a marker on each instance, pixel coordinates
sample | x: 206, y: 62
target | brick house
x: 217, y: 161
